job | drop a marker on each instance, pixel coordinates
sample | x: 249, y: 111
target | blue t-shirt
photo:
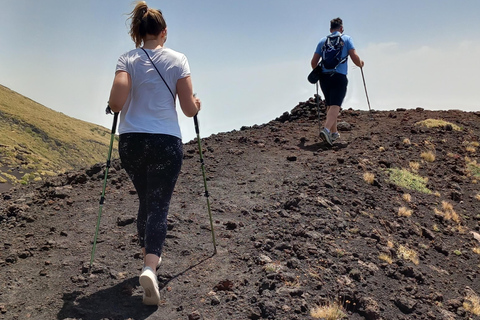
x: 342, y: 68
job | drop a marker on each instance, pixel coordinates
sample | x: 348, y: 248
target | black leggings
x: 153, y: 162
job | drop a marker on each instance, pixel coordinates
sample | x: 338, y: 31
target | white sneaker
x: 148, y: 280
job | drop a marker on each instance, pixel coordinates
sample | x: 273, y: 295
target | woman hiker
x: 147, y: 81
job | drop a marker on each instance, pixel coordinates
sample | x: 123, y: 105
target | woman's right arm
x: 188, y: 102
x: 120, y: 91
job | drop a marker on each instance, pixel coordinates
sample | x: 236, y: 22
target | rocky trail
x: 299, y: 227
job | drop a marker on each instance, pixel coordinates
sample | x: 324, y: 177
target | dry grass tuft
x: 407, y: 254
x: 471, y: 149
x: 330, y: 311
x: 404, y: 212
x: 476, y: 250
x: 428, y: 156
x: 386, y: 257
x: 414, y: 165
x: 477, y: 196
x: 472, y: 303
x: 447, y: 212
x: 407, y: 197
x: 407, y: 141
x: 369, y: 177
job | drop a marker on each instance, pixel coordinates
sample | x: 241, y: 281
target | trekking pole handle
x: 114, y: 126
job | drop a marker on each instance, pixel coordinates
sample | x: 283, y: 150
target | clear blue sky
x: 249, y: 59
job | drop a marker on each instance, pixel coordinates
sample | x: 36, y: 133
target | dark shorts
x: 334, y: 88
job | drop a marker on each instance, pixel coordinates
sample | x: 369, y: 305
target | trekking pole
x: 102, y: 198
x: 195, y: 120
x: 365, y: 86
x: 317, y: 101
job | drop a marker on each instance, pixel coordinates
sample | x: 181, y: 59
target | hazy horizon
x: 249, y: 59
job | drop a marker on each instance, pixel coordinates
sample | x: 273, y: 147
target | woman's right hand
x: 198, y: 103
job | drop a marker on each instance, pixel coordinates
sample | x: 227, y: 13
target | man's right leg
x: 331, y: 120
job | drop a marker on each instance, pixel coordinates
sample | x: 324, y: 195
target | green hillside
x: 36, y: 141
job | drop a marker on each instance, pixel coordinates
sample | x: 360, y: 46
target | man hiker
x: 334, y: 50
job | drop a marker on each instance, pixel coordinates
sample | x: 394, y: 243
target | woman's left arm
x: 120, y: 91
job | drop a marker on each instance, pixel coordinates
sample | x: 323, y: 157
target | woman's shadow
x: 117, y: 302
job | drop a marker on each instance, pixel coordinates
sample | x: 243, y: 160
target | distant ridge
x: 36, y: 141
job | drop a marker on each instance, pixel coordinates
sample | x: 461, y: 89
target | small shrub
x: 406, y: 141
x: 381, y: 149
x: 330, y: 311
x: 428, y: 156
x: 476, y: 250
x: 369, y: 177
x: 473, y: 168
x: 457, y: 252
x: 477, y: 196
x: 407, y: 197
x: 272, y: 267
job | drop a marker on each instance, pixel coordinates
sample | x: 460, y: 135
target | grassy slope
x: 37, y: 140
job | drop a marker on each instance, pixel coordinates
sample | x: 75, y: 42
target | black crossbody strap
x: 173, y: 96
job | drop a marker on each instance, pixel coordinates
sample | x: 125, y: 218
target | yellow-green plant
x: 408, y: 180
x: 433, y: 123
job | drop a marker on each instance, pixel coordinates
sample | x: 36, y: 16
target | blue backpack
x: 332, y: 52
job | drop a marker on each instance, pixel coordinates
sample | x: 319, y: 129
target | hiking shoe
x: 335, y: 136
x: 159, y: 262
x: 325, y: 136
x: 149, y: 283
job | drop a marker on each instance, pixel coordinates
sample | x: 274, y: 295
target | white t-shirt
x: 150, y: 107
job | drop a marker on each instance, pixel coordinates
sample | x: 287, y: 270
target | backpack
x: 332, y: 52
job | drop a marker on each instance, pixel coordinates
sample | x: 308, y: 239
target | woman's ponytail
x: 145, y: 21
